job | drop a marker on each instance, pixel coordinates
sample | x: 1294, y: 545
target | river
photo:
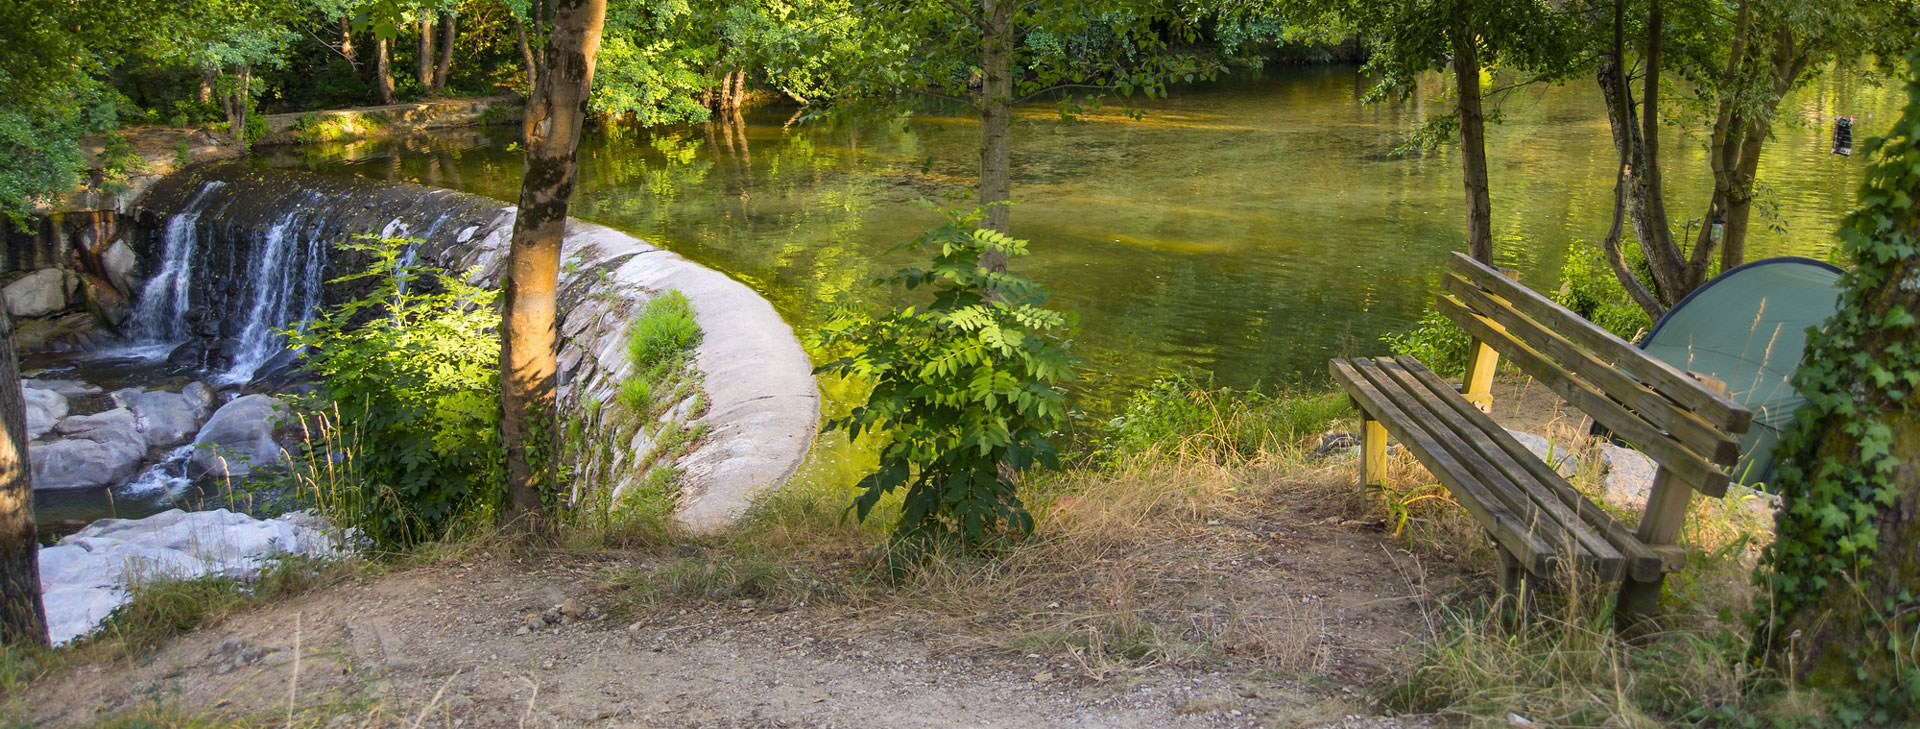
x: 1249, y: 228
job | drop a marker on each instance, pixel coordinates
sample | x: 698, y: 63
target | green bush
x: 1436, y: 341
x: 663, y: 331
x: 967, y: 389
x: 1589, y: 288
x: 404, y: 430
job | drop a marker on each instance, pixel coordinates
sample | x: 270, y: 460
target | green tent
x: 1748, y: 327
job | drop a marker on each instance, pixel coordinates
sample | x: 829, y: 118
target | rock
x: 199, y: 396
x: 99, y: 450
x: 166, y: 418
x: 68, y: 388
x: 119, y: 262
x: 63, y: 333
x: 104, y: 300
x: 572, y: 608
x: 39, y: 293
x: 1629, y: 475
x: 44, y: 409
x: 1553, y: 454
x: 191, y: 354
x: 84, y: 577
x: 239, y: 439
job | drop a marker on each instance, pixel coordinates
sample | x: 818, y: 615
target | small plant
x: 1190, y: 416
x: 404, y: 437
x: 663, y: 330
x: 967, y: 389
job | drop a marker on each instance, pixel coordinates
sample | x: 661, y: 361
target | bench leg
x: 1667, y: 506
x: 1373, y: 451
x: 1516, y: 587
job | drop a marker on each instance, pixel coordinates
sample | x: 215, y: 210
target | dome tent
x: 1748, y: 328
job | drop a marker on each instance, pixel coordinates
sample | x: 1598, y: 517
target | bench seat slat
x: 1642, y: 562
x: 1715, y: 407
x: 1534, y: 553
x: 1684, y: 425
x: 1697, y: 473
x: 1533, y: 489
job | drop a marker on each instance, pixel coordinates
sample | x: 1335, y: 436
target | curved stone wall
x: 757, y: 408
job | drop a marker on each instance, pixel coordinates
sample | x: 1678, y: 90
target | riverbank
x: 1176, y: 582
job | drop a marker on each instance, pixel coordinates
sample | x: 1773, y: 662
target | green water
x: 1251, y: 228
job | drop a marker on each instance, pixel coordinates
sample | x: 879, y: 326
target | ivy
x: 967, y: 388
x: 1839, y: 467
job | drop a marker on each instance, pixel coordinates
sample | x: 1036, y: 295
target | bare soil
x: 1294, y: 611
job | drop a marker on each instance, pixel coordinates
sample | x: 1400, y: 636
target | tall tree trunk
x: 996, y: 117
x: 424, y: 56
x: 1739, y: 201
x: 1639, y: 190
x: 383, y: 69
x: 1473, y: 140
x: 347, y: 50
x: 555, y: 113
x: 23, y: 621
x: 448, y: 33
x: 1846, y: 563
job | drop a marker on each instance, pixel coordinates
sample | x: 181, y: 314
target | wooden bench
x: 1539, y: 522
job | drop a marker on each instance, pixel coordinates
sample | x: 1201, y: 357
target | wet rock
x: 98, y: 450
x: 238, y: 439
x: 191, y: 354
x: 166, y: 418
x: 44, y: 409
x: 39, y: 293
x: 69, y: 388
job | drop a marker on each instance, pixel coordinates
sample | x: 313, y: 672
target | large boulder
x: 103, y: 449
x: 39, y: 293
x: 166, y: 418
x: 44, y: 409
x: 119, y: 261
x: 238, y: 439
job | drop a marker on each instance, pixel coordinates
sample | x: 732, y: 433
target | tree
x: 528, y: 335
x: 1467, y: 37
x: 1844, y: 569
x: 23, y: 621
x: 1737, y: 60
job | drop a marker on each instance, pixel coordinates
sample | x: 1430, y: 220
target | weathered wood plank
x: 1507, y: 530
x: 1704, y: 477
x: 1641, y: 561
x: 1530, y: 495
x: 1715, y: 407
x: 1684, y: 425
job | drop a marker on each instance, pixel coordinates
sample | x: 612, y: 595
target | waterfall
x: 284, y: 290
x: 160, y: 314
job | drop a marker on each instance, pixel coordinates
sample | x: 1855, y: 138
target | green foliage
x: 1182, y: 414
x: 665, y: 329
x: 410, y: 373
x: 1436, y: 341
x: 1840, y: 472
x: 1589, y: 288
x: 967, y: 388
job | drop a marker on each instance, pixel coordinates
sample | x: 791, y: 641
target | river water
x: 1250, y: 228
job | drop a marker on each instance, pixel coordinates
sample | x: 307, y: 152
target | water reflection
x: 1250, y: 228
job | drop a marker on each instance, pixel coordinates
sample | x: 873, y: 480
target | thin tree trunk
x: 1733, y: 244
x: 424, y: 56
x: 554, y: 116
x: 383, y: 69
x: 526, y: 54
x: 1650, y: 225
x: 347, y: 50
x: 996, y: 118
x: 237, y: 104
x: 23, y: 620
x: 447, y: 35
x: 1473, y: 141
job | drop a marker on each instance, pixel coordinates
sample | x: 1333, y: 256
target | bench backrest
x: 1687, y: 426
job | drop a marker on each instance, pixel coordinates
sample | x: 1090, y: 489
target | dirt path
x: 1303, y: 610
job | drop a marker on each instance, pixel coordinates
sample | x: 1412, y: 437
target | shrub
x: 1589, y: 288
x: 967, y: 389
x: 1436, y: 341
x: 662, y: 331
x: 406, y: 420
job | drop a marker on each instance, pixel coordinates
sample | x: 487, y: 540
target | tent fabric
x: 1748, y: 327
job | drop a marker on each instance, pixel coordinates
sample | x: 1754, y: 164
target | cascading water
x: 283, y: 292
x: 161, y: 314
